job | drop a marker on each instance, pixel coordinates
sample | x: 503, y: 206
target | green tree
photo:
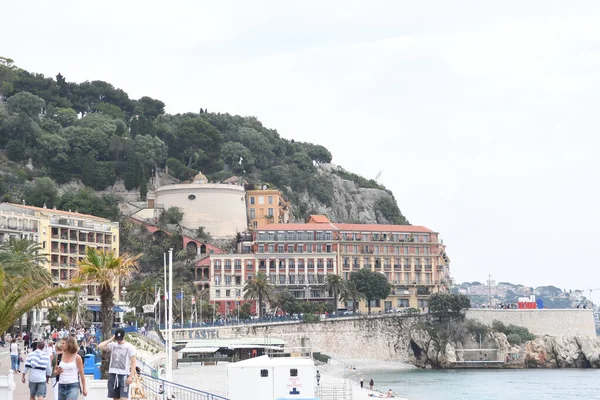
x: 26, y: 103
x: 141, y: 291
x: 42, y: 193
x: 286, y: 301
x: 237, y: 156
x: 17, y: 297
x: 259, y: 288
x: 7, y: 76
x: 64, y: 116
x: 133, y: 175
x: 197, y: 143
x: 172, y: 215
x: 387, y: 208
x: 447, y: 305
x: 52, y: 152
x: 104, y: 268
x: 335, y: 285
x: 352, y: 294
x: 373, y: 285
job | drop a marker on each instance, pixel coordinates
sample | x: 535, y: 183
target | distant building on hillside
x: 266, y: 206
x: 218, y: 207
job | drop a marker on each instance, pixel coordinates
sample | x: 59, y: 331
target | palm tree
x: 24, y: 258
x: 351, y: 293
x: 105, y: 269
x: 143, y: 291
x: 17, y: 297
x: 335, y: 285
x: 259, y: 288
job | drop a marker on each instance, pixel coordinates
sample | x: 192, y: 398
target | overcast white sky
x: 483, y: 117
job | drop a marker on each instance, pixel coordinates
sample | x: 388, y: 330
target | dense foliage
x: 373, y: 285
x: 515, y: 334
x: 94, y: 132
x: 448, y: 305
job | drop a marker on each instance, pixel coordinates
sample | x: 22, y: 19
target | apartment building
x: 64, y: 237
x: 229, y: 274
x: 412, y: 258
x: 266, y: 206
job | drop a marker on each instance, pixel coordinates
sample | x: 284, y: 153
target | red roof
x: 204, y: 262
x: 297, y: 227
x: 318, y: 219
x: 383, y: 228
x: 53, y: 211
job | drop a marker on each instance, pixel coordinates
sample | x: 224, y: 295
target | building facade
x: 298, y: 257
x: 412, y: 258
x: 64, y: 237
x: 266, y: 206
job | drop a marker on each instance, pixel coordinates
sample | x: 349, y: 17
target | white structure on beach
x: 265, y: 378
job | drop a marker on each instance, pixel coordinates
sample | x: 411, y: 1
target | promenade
x: 22, y: 390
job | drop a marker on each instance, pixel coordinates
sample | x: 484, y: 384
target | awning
x: 199, y: 350
x: 97, y: 308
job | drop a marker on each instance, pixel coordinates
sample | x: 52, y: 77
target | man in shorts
x: 38, y: 363
x: 121, y: 368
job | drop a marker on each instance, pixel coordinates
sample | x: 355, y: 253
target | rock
x: 535, y: 354
x: 590, y: 347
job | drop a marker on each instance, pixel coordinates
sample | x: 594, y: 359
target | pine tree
x: 132, y: 174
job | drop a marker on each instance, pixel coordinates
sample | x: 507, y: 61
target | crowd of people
x: 57, y: 358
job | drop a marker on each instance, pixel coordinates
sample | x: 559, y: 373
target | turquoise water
x: 526, y: 384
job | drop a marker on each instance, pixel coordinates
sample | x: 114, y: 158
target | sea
x: 514, y: 384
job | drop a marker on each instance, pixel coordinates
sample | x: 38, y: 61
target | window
x: 270, y: 199
x: 270, y: 212
x: 264, y: 373
x: 280, y: 248
x: 271, y: 248
x: 261, y: 248
x: 217, y: 293
x: 290, y: 248
x: 252, y: 200
x: 228, y: 293
x: 252, y: 213
x: 293, y: 372
x: 261, y: 200
x: 192, y: 197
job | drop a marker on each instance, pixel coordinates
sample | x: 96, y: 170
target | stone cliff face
x: 545, y: 352
x: 563, y: 352
x: 429, y: 352
x: 350, y: 203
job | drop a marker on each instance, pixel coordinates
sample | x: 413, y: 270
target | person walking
x: 361, y: 382
x: 121, y: 369
x: 318, y: 378
x: 54, y: 360
x: 14, y: 356
x: 371, y: 384
x: 38, y: 362
x: 69, y: 371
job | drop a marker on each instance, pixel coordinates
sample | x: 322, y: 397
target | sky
x: 482, y: 116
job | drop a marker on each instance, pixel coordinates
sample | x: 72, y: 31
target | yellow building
x: 266, y: 206
x: 412, y: 258
x: 63, y: 235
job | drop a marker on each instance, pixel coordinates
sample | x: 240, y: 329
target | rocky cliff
x: 545, y: 352
x: 348, y: 202
x: 563, y: 352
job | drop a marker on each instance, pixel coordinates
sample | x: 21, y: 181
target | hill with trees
x: 53, y: 131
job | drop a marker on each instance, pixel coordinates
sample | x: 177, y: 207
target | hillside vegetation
x: 95, y: 133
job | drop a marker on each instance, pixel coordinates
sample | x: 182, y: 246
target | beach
x: 213, y: 378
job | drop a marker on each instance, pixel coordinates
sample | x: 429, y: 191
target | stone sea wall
x: 553, y: 322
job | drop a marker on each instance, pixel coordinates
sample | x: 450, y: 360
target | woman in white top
x: 14, y: 356
x: 69, y: 372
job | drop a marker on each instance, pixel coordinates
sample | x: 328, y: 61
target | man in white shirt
x: 38, y: 363
x: 122, y: 365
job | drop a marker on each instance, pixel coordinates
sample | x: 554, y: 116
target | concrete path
x: 22, y: 389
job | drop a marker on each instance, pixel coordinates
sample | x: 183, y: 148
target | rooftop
x: 298, y: 227
x: 318, y: 219
x: 312, y: 226
x: 7, y: 206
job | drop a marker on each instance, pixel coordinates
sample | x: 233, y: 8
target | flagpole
x: 181, y: 291
x: 170, y: 334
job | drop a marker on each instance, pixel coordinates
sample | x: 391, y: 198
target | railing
x: 334, y: 392
x: 156, y: 389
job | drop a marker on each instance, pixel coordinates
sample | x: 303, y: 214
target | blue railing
x: 156, y: 389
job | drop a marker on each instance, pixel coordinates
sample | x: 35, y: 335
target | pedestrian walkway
x: 22, y: 389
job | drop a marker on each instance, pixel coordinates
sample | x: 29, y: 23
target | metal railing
x: 159, y: 389
x: 334, y: 392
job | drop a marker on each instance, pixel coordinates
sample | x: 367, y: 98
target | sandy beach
x: 213, y: 379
